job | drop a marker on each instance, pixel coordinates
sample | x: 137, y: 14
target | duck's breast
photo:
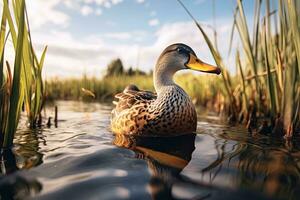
x: 173, y: 114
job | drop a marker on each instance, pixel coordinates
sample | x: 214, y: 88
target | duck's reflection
x: 166, y: 158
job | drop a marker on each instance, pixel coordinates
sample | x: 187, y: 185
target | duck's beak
x: 195, y: 63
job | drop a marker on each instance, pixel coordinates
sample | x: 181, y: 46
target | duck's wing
x: 131, y: 106
x: 131, y: 96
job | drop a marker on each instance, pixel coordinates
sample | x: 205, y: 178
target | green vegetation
x: 116, y: 68
x: 103, y: 89
x: 204, y: 90
x: 25, y: 85
x: 271, y: 60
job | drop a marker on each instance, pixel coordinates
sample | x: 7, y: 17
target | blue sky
x: 84, y: 35
x: 131, y: 15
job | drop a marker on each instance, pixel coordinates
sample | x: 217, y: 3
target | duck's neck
x: 162, y: 78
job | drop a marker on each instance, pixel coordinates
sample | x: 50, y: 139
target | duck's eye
x: 180, y: 50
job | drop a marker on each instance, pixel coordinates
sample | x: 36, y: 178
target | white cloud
x: 86, y: 10
x: 45, y: 12
x: 140, y: 1
x: 106, y: 3
x: 85, y: 6
x: 98, y: 11
x: 125, y: 36
x: 116, y: 1
x: 119, y: 35
x: 153, y: 22
x: 69, y: 56
x: 88, y: 1
x: 71, y: 4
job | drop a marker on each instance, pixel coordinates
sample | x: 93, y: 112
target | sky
x: 83, y: 36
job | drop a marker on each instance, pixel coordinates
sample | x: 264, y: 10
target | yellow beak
x: 195, y: 63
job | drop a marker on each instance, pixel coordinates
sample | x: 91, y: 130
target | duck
x: 169, y: 110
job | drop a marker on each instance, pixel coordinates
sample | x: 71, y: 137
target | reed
x: 271, y: 60
x: 25, y: 85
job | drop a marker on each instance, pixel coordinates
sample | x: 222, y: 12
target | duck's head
x: 178, y: 57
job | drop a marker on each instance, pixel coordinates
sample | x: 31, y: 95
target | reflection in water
x: 24, y: 155
x: 8, y: 162
x: 15, y: 186
x: 265, y: 164
x: 27, y: 147
x: 166, y: 158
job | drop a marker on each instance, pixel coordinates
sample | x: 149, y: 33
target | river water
x: 82, y: 159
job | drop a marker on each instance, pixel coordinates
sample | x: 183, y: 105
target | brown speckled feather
x: 141, y: 113
x: 130, y: 113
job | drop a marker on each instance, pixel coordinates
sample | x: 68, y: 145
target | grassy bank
x: 103, y: 89
x: 204, y: 90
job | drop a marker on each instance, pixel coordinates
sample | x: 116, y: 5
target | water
x: 81, y: 159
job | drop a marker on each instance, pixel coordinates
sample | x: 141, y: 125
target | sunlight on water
x: 81, y: 159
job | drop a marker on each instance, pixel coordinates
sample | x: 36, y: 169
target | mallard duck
x: 167, y: 112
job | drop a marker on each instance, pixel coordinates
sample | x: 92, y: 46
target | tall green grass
x: 204, y: 90
x: 271, y: 60
x: 25, y: 85
x: 103, y: 89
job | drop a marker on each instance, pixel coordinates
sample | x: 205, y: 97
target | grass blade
x: 16, y: 98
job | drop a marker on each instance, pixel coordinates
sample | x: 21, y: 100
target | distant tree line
x: 116, y: 68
